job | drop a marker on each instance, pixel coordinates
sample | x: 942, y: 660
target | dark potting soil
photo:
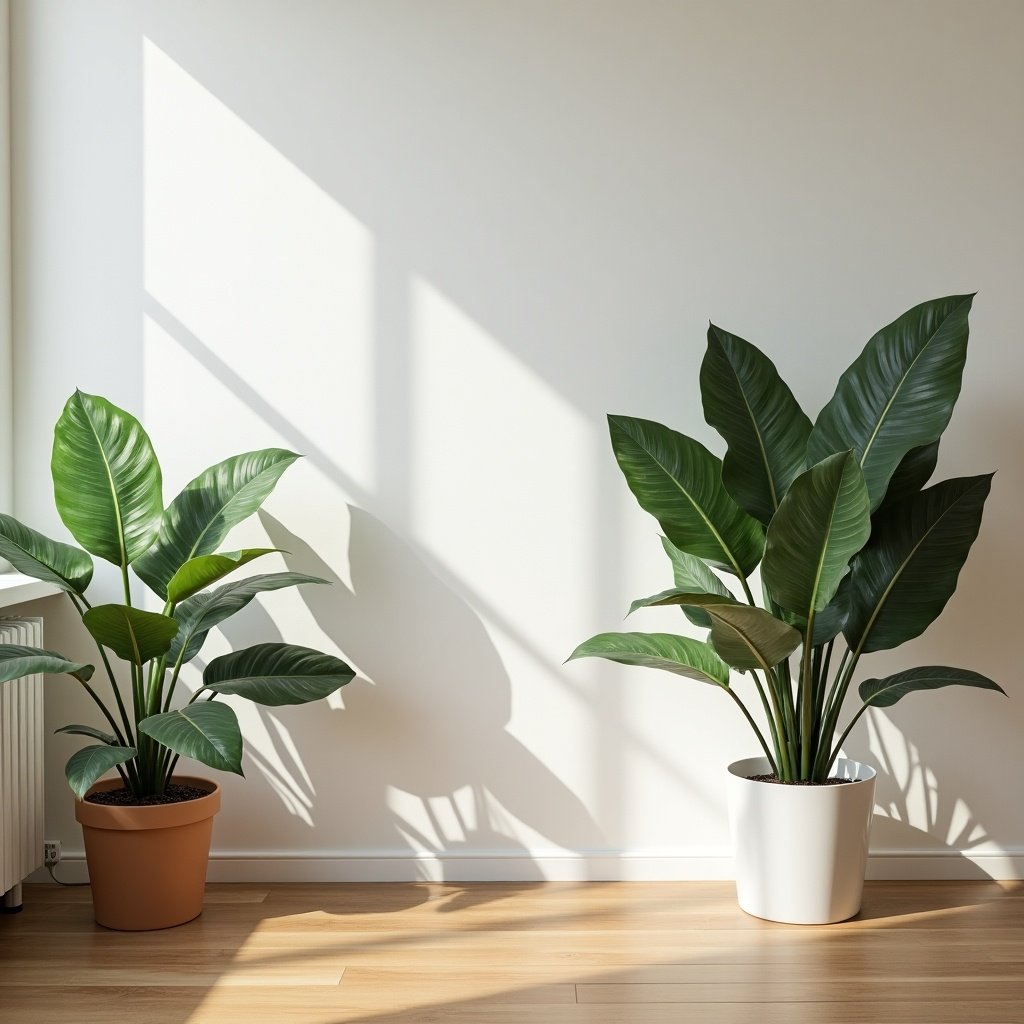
x: 779, y: 782
x: 173, y: 794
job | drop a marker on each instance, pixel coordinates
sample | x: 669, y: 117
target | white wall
x: 430, y: 245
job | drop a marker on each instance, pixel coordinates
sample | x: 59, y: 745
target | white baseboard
x: 376, y: 866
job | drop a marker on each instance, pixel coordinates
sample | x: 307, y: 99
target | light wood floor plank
x: 562, y: 953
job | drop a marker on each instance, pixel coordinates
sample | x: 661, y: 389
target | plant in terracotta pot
x: 147, y: 831
x: 856, y: 555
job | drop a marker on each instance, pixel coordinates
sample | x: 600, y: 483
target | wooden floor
x: 540, y: 953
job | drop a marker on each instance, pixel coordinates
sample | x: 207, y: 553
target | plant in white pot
x: 147, y: 831
x: 856, y: 555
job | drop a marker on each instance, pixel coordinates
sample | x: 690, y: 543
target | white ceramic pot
x: 800, y: 851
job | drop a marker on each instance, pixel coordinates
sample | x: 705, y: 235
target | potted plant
x: 147, y: 831
x: 855, y: 553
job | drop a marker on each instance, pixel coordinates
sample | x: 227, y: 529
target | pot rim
x: 152, y: 816
x: 859, y: 772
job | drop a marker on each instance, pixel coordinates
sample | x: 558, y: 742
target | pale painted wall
x: 430, y: 245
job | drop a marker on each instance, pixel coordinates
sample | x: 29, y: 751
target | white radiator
x: 21, y: 767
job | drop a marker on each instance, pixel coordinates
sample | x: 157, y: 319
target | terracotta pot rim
x: 153, y: 816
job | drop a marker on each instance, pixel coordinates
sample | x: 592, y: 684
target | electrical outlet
x: 51, y: 852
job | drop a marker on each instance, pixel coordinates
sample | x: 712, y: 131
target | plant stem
x: 806, y: 699
x: 780, y: 750
x: 753, y: 725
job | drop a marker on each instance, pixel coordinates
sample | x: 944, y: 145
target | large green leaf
x: 106, y: 479
x: 749, y: 404
x: 829, y: 622
x: 681, y: 598
x: 693, y: 576
x: 899, y: 393
x: 91, y: 763
x: 198, y: 573
x: 913, y: 472
x: 883, y: 693
x: 679, y: 482
x: 16, y: 661
x: 37, y: 556
x: 821, y: 524
x: 907, y: 572
x: 199, y: 614
x: 200, y: 517
x: 206, y: 732
x: 131, y: 633
x: 87, y: 730
x: 277, y: 674
x: 745, y: 637
x: 678, y: 654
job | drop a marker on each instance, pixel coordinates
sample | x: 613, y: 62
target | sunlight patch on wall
x: 266, y: 274
x: 498, y: 454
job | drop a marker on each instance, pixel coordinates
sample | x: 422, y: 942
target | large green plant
x: 852, y: 550
x: 107, y: 486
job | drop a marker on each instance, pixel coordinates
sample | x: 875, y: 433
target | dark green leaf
x: 748, y: 403
x: 106, y: 479
x: 17, y: 660
x: 899, y: 393
x: 206, y: 732
x: 37, y: 556
x: 693, y: 576
x: 679, y: 482
x: 88, y: 730
x: 829, y: 622
x: 200, y: 517
x: 199, y: 614
x: 132, y: 634
x: 277, y: 674
x: 883, y: 693
x: 90, y: 763
x: 907, y: 572
x: 678, y: 654
x: 822, y: 522
x: 198, y: 573
x: 912, y: 473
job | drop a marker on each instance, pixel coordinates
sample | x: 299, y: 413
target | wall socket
x: 51, y: 852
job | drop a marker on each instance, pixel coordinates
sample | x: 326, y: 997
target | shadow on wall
x: 475, y: 779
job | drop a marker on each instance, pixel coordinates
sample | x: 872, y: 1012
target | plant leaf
x: 277, y: 674
x: 678, y: 654
x: 822, y: 522
x: 883, y: 693
x: 907, y: 572
x: 913, y: 472
x: 90, y: 763
x: 693, y: 576
x: 899, y: 392
x: 681, y: 598
x: 106, y: 479
x: 199, y: 614
x: 200, y: 517
x: 749, y: 404
x: 198, y: 573
x: 679, y: 482
x: 131, y: 633
x: 88, y: 730
x: 37, y: 556
x: 206, y: 732
x: 829, y: 622
x: 16, y: 661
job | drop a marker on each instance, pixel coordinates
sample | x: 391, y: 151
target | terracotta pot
x: 147, y: 865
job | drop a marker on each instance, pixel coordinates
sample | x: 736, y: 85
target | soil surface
x: 779, y: 782
x: 173, y: 794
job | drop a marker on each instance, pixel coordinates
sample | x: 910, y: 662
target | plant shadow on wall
x: 457, y: 780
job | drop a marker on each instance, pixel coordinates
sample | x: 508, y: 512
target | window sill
x: 16, y: 589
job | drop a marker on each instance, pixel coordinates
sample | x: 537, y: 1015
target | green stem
x: 806, y: 700
x: 753, y: 725
x: 780, y: 750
